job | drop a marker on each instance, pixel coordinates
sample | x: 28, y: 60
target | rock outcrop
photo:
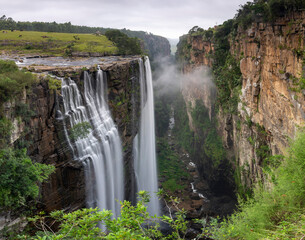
x: 272, y: 98
x: 45, y: 136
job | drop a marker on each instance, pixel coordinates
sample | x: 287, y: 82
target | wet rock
x: 195, y: 196
x: 197, y: 204
x: 193, y: 213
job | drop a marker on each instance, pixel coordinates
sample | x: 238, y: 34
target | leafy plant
x: 12, y: 80
x: 133, y: 223
x: 54, y: 83
x: 127, y: 45
x: 276, y: 213
x: 19, y: 177
x: 80, y: 131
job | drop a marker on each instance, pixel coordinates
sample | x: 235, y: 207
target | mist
x: 169, y: 79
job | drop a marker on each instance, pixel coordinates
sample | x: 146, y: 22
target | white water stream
x: 101, y: 150
x: 144, y: 143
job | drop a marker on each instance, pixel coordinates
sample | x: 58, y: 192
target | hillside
x: 57, y: 44
x: 151, y: 44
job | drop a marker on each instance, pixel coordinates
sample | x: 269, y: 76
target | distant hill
x: 152, y: 44
x: 155, y: 45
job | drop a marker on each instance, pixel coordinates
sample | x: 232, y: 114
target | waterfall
x: 144, y: 142
x: 101, y: 150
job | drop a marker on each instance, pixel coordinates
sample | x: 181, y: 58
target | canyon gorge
x: 210, y: 126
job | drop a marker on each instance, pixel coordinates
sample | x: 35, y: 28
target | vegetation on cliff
x: 125, y: 44
x: 203, y: 144
x: 266, y: 10
x: 172, y: 172
x: 19, y: 176
x: 13, y: 81
x: 277, y: 211
x: 210, y: 144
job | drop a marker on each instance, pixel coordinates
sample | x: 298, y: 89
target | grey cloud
x: 169, y: 18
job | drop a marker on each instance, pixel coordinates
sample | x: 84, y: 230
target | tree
x: 126, y: 45
x: 19, y: 177
x: 134, y: 223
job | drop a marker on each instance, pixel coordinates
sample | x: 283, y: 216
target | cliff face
x: 156, y: 46
x: 272, y: 61
x: 194, y: 51
x: 271, y: 103
x: 45, y: 136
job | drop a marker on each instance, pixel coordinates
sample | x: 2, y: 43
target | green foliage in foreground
x: 19, y: 177
x: 277, y: 213
x: 134, y: 223
x: 12, y: 80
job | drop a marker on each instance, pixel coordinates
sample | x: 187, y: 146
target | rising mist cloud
x: 169, y: 80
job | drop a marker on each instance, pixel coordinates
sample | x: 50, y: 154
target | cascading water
x: 101, y: 150
x: 144, y: 142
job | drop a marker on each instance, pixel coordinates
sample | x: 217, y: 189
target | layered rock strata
x: 272, y: 99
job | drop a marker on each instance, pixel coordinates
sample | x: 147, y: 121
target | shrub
x: 12, y: 80
x: 127, y: 45
x: 19, y: 177
x: 7, y: 66
x: 270, y: 212
x: 133, y: 223
x: 80, y: 131
x: 54, y: 83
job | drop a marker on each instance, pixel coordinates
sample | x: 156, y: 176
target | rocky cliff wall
x: 45, y: 136
x: 271, y: 101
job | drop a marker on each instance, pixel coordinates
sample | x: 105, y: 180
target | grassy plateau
x: 57, y: 44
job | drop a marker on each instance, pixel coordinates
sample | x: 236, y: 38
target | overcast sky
x: 168, y: 18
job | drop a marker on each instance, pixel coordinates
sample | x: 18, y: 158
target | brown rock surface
x: 271, y: 107
x: 47, y: 144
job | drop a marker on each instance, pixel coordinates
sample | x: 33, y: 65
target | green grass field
x: 57, y: 44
